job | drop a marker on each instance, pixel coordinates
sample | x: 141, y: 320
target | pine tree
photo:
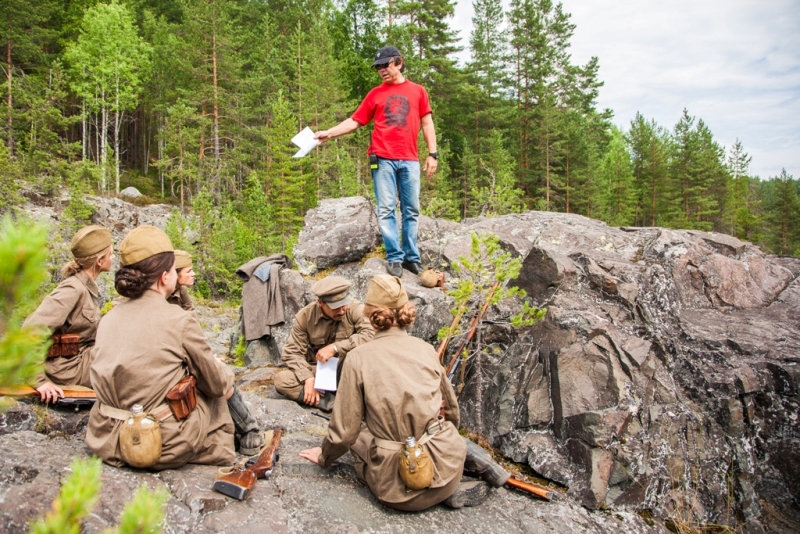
x: 649, y: 145
x: 618, y: 202
x: 784, y: 216
x: 737, y: 213
x: 496, y: 192
x: 24, y: 40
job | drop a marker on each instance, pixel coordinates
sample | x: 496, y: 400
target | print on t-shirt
x: 396, y: 110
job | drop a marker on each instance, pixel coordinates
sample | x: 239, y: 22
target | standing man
x: 399, y: 107
x: 331, y: 326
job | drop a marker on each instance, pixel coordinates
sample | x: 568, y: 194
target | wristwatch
x: 434, y: 155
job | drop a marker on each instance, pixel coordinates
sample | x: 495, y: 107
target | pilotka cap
x: 333, y: 291
x: 385, y: 54
x: 142, y: 243
x: 386, y: 291
x: 90, y: 240
x: 182, y: 259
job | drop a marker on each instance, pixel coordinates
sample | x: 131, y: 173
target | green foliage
x: 218, y: 89
x: 78, y: 212
x: 22, y: 259
x: 239, y: 351
x: 144, y: 514
x: 109, y: 63
x: 10, y: 172
x: 483, y: 279
x: 617, y: 204
x: 178, y: 228
x: 78, y: 496
x: 784, y: 234
x: 79, y: 493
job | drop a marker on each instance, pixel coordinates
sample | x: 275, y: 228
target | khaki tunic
x: 396, y: 384
x: 181, y: 297
x: 144, y: 347
x: 312, y: 331
x: 72, y: 308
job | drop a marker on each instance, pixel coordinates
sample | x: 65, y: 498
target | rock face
x: 664, y: 376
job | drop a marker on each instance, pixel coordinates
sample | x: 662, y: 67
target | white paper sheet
x: 305, y: 140
x: 326, y: 375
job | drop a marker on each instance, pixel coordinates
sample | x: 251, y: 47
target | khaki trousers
x: 286, y: 383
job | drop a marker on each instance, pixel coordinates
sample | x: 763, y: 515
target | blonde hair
x: 77, y: 265
x: 383, y: 318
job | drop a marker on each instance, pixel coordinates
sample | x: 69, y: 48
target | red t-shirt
x: 397, y: 110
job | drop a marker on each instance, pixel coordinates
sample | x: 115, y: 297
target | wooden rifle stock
x: 446, y: 341
x: 473, y: 327
x: 241, y: 480
x: 535, y: 489
x: 74, y: 396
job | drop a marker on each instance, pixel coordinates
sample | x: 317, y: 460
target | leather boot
x: 480, y: 463
x: 468, y: 493
x: 326, y: 401
x: 250, y: 438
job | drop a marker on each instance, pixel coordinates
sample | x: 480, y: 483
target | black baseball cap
x: 386, y: 53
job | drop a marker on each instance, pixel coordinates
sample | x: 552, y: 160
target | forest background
x: 194, y: 103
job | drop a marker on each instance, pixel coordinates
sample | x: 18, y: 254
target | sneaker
x: 394, y: 268
x: 412, y: 267
x: 470, y: 493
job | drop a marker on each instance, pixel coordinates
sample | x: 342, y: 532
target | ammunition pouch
x: 182, y: 398
x: 414, y: 464
x: 64, y: 346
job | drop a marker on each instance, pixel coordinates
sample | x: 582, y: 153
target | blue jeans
x: 390, y: 178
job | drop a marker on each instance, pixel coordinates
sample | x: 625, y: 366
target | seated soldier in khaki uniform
x: 73, y: 308
x: 332, y: 326
x: 183, y: 266
x: 391, y: 392
x: 144, y: 347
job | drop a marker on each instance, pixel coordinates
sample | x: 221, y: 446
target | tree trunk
x: 10, y: 133
x: 103, y: 143
x: 84, y: 138
x: 117, y: 124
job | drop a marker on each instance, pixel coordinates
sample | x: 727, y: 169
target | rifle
x: 473, y: 327
x: 74, y: 396
x: 535, y: 489
x: 241, y: 479
x: 443, y: 345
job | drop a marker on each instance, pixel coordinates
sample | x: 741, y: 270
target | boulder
x: 130, y: 192
x: 336, y: 231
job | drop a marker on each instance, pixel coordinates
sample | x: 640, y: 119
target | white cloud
x: 734, y: 63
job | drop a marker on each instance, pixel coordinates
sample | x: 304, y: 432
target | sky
x: 735, y: 64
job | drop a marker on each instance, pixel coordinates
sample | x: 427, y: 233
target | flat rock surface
x: 299, y: 496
